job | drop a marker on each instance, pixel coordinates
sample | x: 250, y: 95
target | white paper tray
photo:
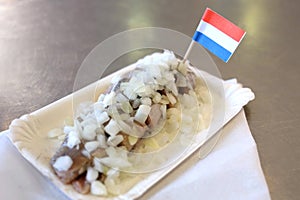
x: 29, y: 133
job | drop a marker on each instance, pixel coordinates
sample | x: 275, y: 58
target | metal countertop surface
x: 43, y: 43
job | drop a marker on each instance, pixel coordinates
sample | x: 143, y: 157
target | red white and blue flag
x: 218, y: 35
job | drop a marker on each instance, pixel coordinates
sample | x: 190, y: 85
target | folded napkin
x: 231, y: 171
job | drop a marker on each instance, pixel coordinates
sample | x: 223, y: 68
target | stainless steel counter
x: 42, y: 44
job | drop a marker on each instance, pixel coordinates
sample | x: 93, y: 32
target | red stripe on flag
x: 223, y: 24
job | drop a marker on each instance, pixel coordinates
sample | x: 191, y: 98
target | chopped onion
x: 63, y: 163
x: 112, y: 128
x: 109, y: 98
x: 181, y: 80
x: 97, y: 165
x: 146, y: 101
x: 124, y: 127
x: 68, y: 129
x: 142, y: 113
x: 115, y: 140
x: 102, y: 117
x: 126, y: 107
x: 172, y: 86
x: 182, y: 68
x: 91, y: 174
x: 102, y: 141
x: 115, y: 162
x: 73, y: 139
x: 120, y: 98
x: 136, y: 103
x: 88, y: 121
x: 99, y: 130
x: 99, y: 106
x: 91, y: 146
x: 89, y: 132
x: 164, y: 100
x: 86, y: 153
x: 171, y: 98
x: 157, y: 97
x: 98, y: 188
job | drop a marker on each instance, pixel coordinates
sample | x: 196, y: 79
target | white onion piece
x: 91, y: 146
x: 68, y: 129
x: 112, y: 128
x: 97, y: 165
x: 124, y: 127
x: 142, y: 113
x: 99, y: 106
x: 164, y: 100
x: 171, y: 98
x: 183, y: 69
x: 63, y: 163
x: 102, y: 141
x: 126, y: 107
x: 98, y: 188
x: 115, y: 162
x: 88, y: 121
x: 89, y: 132
x: 154, y: 71
x: 181, y: 80
x: 117, y: 158
x: 136, y: 103
x: 91, y: 174
x: 156, y: 98
x: 172, y: 86
x: 101, y: 117
x: 109, y: 98
x: 86, y: 153
x: 124, y: 117
x: 111, y: 152
x: 120, y: 98
x: 115, y: 140
x: 99, y: 130
x: 73, y: 139
x: 146, y: 101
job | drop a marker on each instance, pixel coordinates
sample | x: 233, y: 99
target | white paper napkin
x: 231, y: 171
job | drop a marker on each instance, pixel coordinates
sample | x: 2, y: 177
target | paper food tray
x: 29, y: 133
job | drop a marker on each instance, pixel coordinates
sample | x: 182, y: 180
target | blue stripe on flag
x: 212, y: 46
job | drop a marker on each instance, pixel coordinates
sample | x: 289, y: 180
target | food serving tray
x: 29, y: 133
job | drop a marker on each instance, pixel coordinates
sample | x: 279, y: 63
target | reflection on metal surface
x: 253, y: 17
x: 139, y: 20
x: 139, y: 17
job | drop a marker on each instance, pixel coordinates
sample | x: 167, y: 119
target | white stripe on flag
x: 217, y: 36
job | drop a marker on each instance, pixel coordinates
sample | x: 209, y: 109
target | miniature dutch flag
x: 218, y: 35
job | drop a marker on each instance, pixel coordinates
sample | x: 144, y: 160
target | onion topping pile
x: 138, y: 113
